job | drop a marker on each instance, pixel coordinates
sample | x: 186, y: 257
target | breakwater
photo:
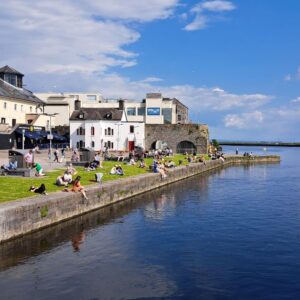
x: 23, y: 216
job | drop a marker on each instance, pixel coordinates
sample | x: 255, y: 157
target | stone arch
x: 186, y: 146
x: 153, y: 145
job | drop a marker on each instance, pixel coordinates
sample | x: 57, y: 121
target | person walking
x: 56, y: 155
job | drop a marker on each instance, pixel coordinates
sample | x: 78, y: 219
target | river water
x: 230, y: 234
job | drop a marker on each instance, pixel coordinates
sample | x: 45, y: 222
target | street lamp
x: 50, y: 136
x: 23, y: 132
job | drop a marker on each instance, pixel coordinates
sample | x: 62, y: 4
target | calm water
x: 232, y: 234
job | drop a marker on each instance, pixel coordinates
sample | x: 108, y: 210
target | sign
x: 50, y: 136
x: 153, y: 111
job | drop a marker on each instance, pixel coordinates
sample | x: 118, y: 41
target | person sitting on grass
x: 132, y: 161
x: 90, y: 166
x: 71, y: 170
x: 142, y: 164
x: 119, y: 170
x: 113, y: 170
x: 40, y: 190
x: 64, y: 179
x: 170, y: 164
x: 38, y: 169
x: 77, y: 187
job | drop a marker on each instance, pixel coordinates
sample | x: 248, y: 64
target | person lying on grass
x: 77, y: 187
x: 40, y: 190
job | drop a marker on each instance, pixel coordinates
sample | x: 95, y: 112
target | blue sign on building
x: 153, y: 111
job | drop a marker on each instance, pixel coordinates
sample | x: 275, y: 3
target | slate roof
x: 10, y: 70
x: 9, y: 91
x: 106, y: 114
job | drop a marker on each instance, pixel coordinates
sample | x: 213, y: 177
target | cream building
x: 154, y: 109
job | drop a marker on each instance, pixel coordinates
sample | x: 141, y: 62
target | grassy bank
x: 12, y: 188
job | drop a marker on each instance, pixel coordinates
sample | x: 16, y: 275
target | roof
x: 10, y: 70
x: 10, y: 91
x: 106, y: 114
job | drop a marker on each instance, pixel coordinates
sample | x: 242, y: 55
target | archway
x: 186, y: 146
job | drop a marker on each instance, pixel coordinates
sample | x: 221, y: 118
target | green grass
x: 12, y: 188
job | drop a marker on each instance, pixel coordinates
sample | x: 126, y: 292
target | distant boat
x: 265, y: 148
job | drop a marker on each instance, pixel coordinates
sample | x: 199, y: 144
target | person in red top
x: 77, y: 187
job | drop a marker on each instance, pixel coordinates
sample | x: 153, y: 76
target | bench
x: 25, y: 172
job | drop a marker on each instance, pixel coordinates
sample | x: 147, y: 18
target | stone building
x: 180, y: 138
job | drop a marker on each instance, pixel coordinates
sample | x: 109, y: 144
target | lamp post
x: 50, y: 137
x: 23, y: 132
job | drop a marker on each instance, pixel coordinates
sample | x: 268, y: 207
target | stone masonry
x: 173, y: 134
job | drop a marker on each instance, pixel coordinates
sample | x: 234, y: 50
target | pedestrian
x: 56, y: 155
x: 237, y: 151
x: 29, y: 159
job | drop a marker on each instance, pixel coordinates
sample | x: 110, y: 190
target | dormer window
x: 108, y: 116
x: 81, y: 115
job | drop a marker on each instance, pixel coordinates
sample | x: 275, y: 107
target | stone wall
x: 30, y: 214
x: 173, y: 134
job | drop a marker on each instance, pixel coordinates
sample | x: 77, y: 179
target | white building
x: 98, y: 128
x: 154, y: 109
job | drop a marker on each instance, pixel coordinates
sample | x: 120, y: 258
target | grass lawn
x: 12, y: 188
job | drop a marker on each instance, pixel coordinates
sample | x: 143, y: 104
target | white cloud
x: 73, y: 36
x: 137, y: 10
x: 201, y: 10
x: 244, y: 120
x: 152, y: 79
x: 296, y: 100
x: 218, y: 5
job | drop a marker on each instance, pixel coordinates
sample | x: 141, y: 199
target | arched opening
x: 159, y: 145
x: 186, y: 146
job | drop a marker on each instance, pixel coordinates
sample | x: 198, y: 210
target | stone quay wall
x: 30, y: 214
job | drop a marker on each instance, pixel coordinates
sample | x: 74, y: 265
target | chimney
x: 77, y: 104
x: 121, y: 104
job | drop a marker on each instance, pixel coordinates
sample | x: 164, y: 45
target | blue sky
x: 234, y: 63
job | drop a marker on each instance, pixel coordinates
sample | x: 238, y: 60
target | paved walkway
x: 42, y: 158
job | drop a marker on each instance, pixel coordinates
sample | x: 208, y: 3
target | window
x: 80, y: 131
x: 13, y: 122
x: 30, y: 108
x: 91, y: 97
x: 131, y: 111
x: 5, y: 105
x: 15, y: 106
x: 131, y: 129
x: 92, y: 144
x: 11, y: 78
x: 92, y: 130
x: 141, y: 111
x: 2, y: 120
x: 109, y: 131
x: 179, y: 117
x: 109, y: 145
x: 167, y: 113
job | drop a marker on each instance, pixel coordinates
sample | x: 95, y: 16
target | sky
x: 235, y: 64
